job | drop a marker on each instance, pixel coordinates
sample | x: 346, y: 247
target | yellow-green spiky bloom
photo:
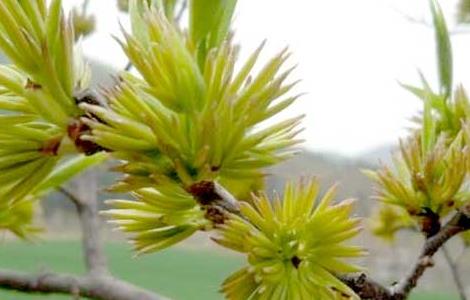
x: 295, y: 246
x: 185, y: 122
x: 37, y: 106
x: 388, y: 219
x: 191, y: 124
x: 159, y: 218
x: 39, y: 41
x: 37, y: 93
x: 426, y: 181
x: 429, y: 178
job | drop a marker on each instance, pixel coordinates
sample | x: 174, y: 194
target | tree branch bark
x: 94, y: 287
x: 368, y: 289
x: 459, y: 223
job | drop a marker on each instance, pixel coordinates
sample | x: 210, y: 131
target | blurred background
x: 351, y: 56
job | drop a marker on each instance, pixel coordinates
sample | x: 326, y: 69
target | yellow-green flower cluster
x: 184, y: 122
x: 160, y: 217
x: 295, y: 246
x: 37, y: 96
x: 426, y: 181
x: 430, y: 174
x: 30, y: 129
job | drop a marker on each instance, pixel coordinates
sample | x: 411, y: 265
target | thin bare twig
x: 69, y: 195
x: 454, y: 269
x: 459, y: 223
x: 181, y: 11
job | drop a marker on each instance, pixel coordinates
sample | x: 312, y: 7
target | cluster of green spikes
x: 194, y: 115
x: 38, y: 104
x: 295, y: 246
x: 430, y: 173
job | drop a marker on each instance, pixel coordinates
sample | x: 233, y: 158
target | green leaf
x: 444, y: 49
x: 209, y: 24
x: 69, y: 169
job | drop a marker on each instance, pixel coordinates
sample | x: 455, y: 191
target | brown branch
x: 69, y: 195
x: 454, y: 269
x: 459, y: 223
x: 217, y: 202
x: 366, y: 288
x: 212, y: 193
x: 94, y: 287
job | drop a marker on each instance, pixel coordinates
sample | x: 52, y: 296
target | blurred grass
x: 179, y: 273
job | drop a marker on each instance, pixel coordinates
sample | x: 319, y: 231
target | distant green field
x: 182, y: 274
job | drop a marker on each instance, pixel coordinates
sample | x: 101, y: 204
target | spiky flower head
x: 429, y: 178
x: 426, y: 181
x: 158, y: 217
x: 37, y: 93
x: 193, y: 124
x: 295, y: 246
x: 186, y: 122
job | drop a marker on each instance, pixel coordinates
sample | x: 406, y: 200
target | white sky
x: 350, y: 55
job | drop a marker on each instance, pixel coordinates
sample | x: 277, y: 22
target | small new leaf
x: 444, y: 49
